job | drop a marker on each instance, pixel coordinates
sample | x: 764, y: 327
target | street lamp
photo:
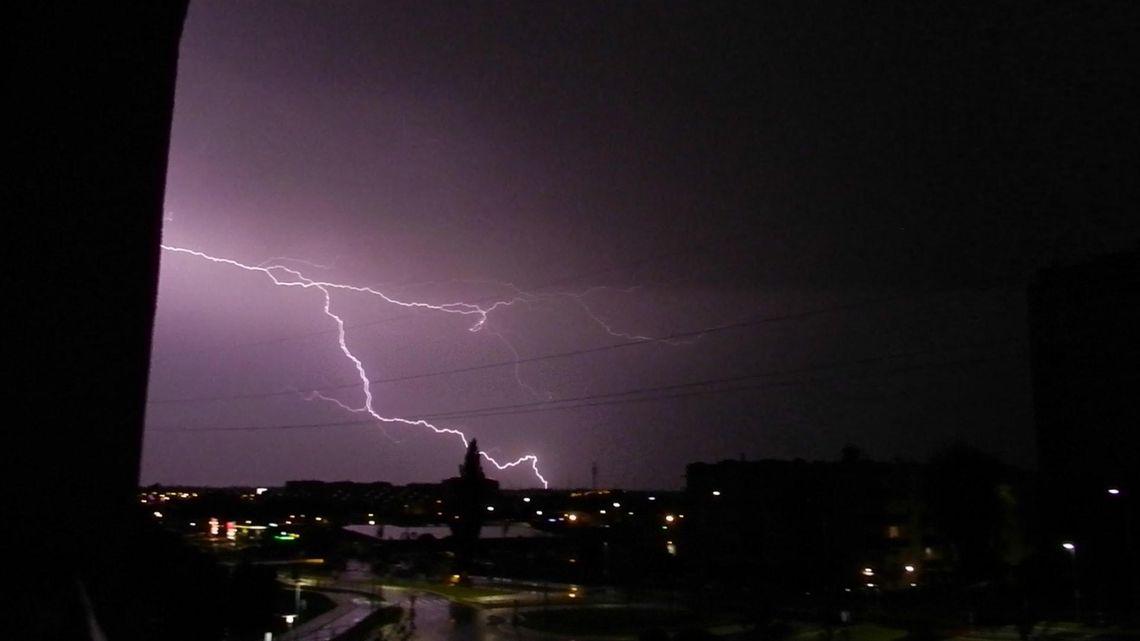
x: 1071, y: 548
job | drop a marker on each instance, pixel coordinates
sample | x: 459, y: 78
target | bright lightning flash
x: 286, y: 277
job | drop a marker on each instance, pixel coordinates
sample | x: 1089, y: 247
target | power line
x: 557, y: 355
x: 666, y: 392
x: 550, y: 405
x: 726, y: 390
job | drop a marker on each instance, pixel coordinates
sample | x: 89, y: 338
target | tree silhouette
x: 969, y: 498
x: 470, y: 493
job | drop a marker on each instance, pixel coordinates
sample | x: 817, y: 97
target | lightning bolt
x: 580, y: 299
x: 285, y: 277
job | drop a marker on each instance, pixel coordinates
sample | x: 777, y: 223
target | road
x: 351, y: 608
x: 427, y: 616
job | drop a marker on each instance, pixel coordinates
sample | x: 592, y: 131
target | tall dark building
x: 93, y: 91
x: 1085, y: 330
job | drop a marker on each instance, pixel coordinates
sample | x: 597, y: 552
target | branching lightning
x: 285, y: 277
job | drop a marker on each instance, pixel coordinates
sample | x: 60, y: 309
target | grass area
x: 457, y: 592
x: 857, y: 632
x: 872, y: 632
x: 609, y: 621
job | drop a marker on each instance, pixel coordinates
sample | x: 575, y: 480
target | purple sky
x: 862, y: 196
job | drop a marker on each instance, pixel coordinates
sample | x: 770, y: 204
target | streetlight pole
x: 1071, y: 548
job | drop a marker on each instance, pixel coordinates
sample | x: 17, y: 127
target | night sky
x: 765, y: 230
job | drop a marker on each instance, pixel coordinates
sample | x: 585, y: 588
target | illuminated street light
x: 1114, y: 491
x: 868, y: 572
x: 908, y: 568
x: 669, y: 518
x: 1071, y: 548
x: 716, y: 492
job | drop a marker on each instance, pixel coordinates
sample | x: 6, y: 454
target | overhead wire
x: 668, y: 392
x: 555, y: 355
